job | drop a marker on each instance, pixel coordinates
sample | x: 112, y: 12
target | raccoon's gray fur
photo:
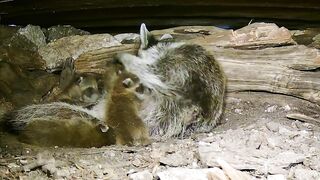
x: 187, y: 85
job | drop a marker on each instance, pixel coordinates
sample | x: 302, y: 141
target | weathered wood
x: 256, y: 35
x: 95, y: 61
x: 271, y: 70
x: 291, y: 70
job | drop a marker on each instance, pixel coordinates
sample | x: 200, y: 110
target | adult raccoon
x: 186, y: 85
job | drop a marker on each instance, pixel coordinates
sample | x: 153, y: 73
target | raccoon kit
x: 122, y: 106
x: 185, y: 85
x: 76, y: 88
x: 59, y: 124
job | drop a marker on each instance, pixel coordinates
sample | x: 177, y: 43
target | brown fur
x: 122, y: 108
x: 57, y: 124
x: 76, y: 132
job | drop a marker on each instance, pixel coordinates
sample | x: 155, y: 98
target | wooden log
x: 292, y: 70
x: 272, y: 70
x: 95, y: 61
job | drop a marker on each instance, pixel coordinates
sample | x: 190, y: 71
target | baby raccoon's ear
x: 67, y: 75
x: 146, y: 38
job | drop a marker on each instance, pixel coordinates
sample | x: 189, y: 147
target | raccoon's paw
x: 143, y: 141
x: 136, y: 137
x: 141, y: 136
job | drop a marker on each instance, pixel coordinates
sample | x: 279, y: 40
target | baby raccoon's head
x: 88, y: 85
x: 116, y: 75
x: 82, y: 88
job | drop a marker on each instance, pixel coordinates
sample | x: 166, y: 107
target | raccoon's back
x: 188, y: 65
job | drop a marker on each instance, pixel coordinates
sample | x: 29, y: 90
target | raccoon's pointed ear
x: 144, y: 34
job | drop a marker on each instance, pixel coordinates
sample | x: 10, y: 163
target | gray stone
x: 257, y: 154
x: 186, y: 174
x: 60, y: 31
x: 306, y: 174
x: 276, y: 177
x: 273, y: 126
x: 177, y: 159
x: 56, y: 52
x: 143, y: 175
x: 34, y: 34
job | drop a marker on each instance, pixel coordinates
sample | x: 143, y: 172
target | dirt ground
x: 254, y: 137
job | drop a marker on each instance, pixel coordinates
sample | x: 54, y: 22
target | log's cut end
x: 95, y: 61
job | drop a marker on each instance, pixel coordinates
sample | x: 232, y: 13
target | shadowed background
x: 125, y: 15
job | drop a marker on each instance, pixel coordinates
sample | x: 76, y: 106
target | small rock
x: 314, y: 163
x: 12, y: 166
x: 238, y: 111
x: 60, y: 31
x: 286, y: 132
x: 306, y: 174
x: 34, y: 34
x: 131, y: 171
x: 177, y: 159
x: 189, y: 174
x: 143, y: 175
x: 137, y: 162
x: 156, y: 154
x: 284, y: 159
x: 62, y: 173
x: 276, y: 177
x: 19, y: 50
x: 256, y: 139
x: 272, y: 126
x: 50, y: 168
x: 232, y: 100
x: 55, y: 52
x: 286, y: 108
x: 271, y: 109
x: 232, y: 173
x: 23, y: 161
x: 271, y: 142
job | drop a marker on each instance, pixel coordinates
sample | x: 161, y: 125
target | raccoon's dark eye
x: 79, y: 79
x: 140, y: 89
